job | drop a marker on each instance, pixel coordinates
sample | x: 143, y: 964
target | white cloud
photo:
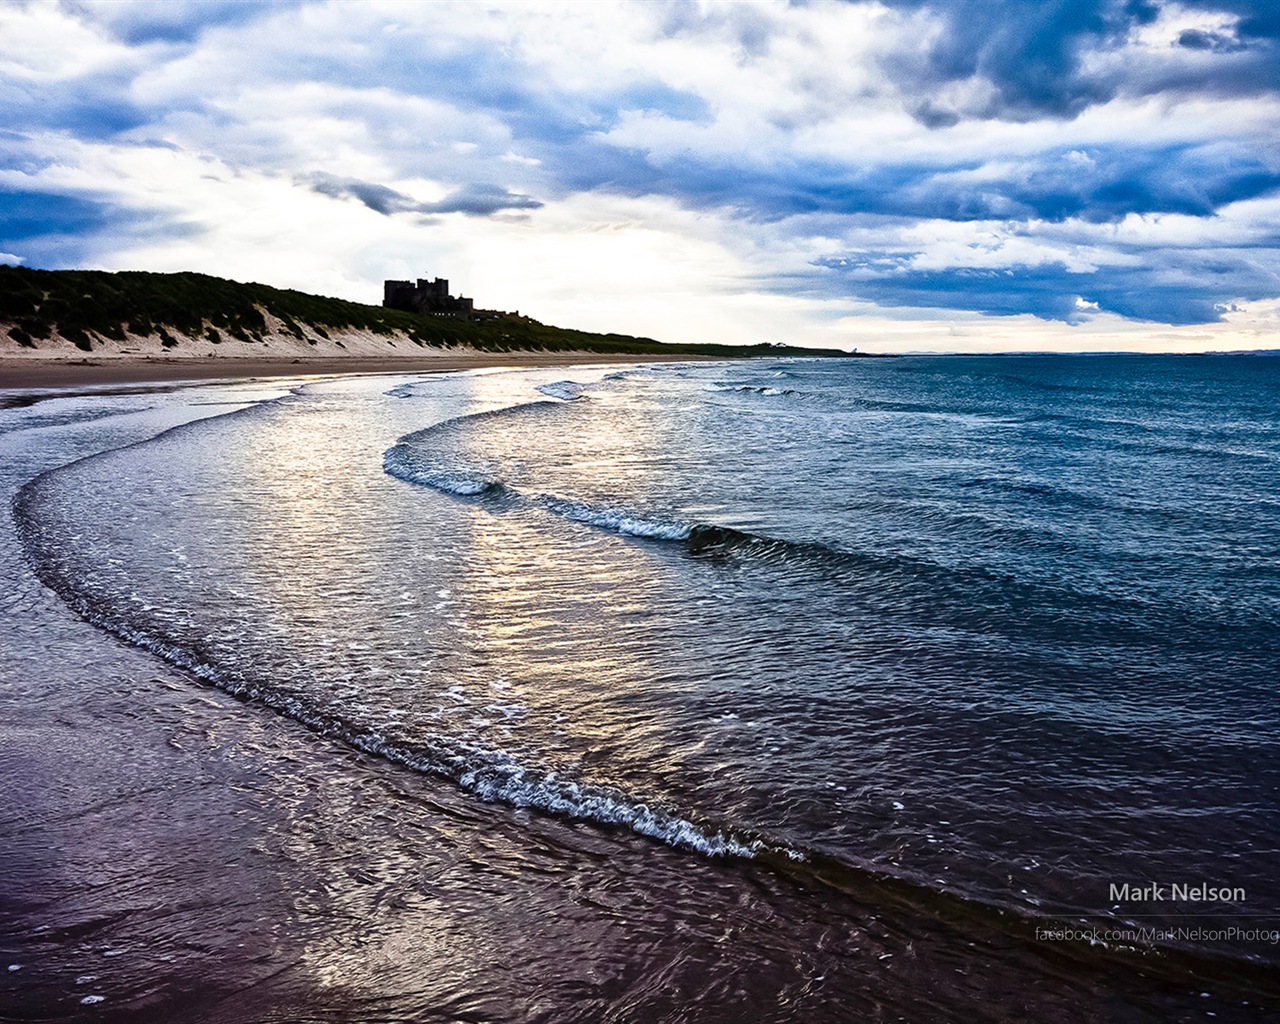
x: 45, y: 43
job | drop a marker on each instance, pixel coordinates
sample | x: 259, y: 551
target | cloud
x: 1171, y: 291
x: 65, y: 229
x: 1201, y: 39
x: 137, y: 22
x: 378, y: 198
x: 1002, y: 159
x: 1058, y: 57
x: 1030, y: 54
x: 481, y: 200
x: 478, y: 199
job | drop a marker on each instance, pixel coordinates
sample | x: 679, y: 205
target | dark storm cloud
x: 1169, y: 286
x: 1098, y: 185
x: 378, y: 198
x: 1038, y: 57
x: 1199, y: 39
x: 481, y: 200
x: 1029, y: 52
x: 475, y: 200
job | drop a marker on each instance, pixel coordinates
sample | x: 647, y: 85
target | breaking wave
x: 754, y: 389
x: 406, y: 464
x: 492, y: 774
x: 616, y: 520
x: 565, y: 390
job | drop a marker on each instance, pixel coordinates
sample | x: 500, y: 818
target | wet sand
x: 59, y: 372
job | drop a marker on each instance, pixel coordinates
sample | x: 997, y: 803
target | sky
x: 898, y: 175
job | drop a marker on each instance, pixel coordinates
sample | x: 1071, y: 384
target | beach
x: 537, y: 694
x: 78, y: 370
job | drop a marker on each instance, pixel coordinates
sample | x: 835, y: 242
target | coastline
x: 30, y: 372
x: 84, y: 328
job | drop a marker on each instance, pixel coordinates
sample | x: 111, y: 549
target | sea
x: 865, y: 689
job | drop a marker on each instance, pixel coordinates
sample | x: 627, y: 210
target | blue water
x: 963, y: 617
x: 1004, y: 631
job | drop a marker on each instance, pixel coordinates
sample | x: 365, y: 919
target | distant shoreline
x: 87, y: 316
x: 34, y: 373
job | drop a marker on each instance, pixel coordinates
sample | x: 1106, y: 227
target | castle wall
x: 426, y: 296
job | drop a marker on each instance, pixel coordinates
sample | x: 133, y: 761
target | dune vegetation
x: 89, y: 307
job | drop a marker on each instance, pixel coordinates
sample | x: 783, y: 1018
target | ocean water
x: 859, y: 675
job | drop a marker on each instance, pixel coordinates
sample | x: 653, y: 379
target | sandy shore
x: 29, y: 372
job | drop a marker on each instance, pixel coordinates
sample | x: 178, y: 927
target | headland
x: 80, y: 327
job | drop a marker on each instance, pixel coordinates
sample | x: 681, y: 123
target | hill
x: 43, y: 311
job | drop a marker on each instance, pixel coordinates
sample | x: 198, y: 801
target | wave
x: 404, y: 463
x: 64, y: 419
x: 517, y: 408
x: 410, y: 464
x: 929, y: 585
x: 565, y: 390
x: 409, y: 460
x: 754, y: 389
x: 616, y: 520
x: 463, y: 483
x: 911, y: 577
x: 492, y: 774
x: 699, y: 537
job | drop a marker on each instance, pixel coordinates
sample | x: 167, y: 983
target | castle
x: 426, y: 297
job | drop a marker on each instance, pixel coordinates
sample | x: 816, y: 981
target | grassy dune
x: 87, y: 306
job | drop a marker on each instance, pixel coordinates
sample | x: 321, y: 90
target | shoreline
x: 32, y: 373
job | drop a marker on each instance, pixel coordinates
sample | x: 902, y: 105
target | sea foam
x: 565, y: 390
x: 616, y: 520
